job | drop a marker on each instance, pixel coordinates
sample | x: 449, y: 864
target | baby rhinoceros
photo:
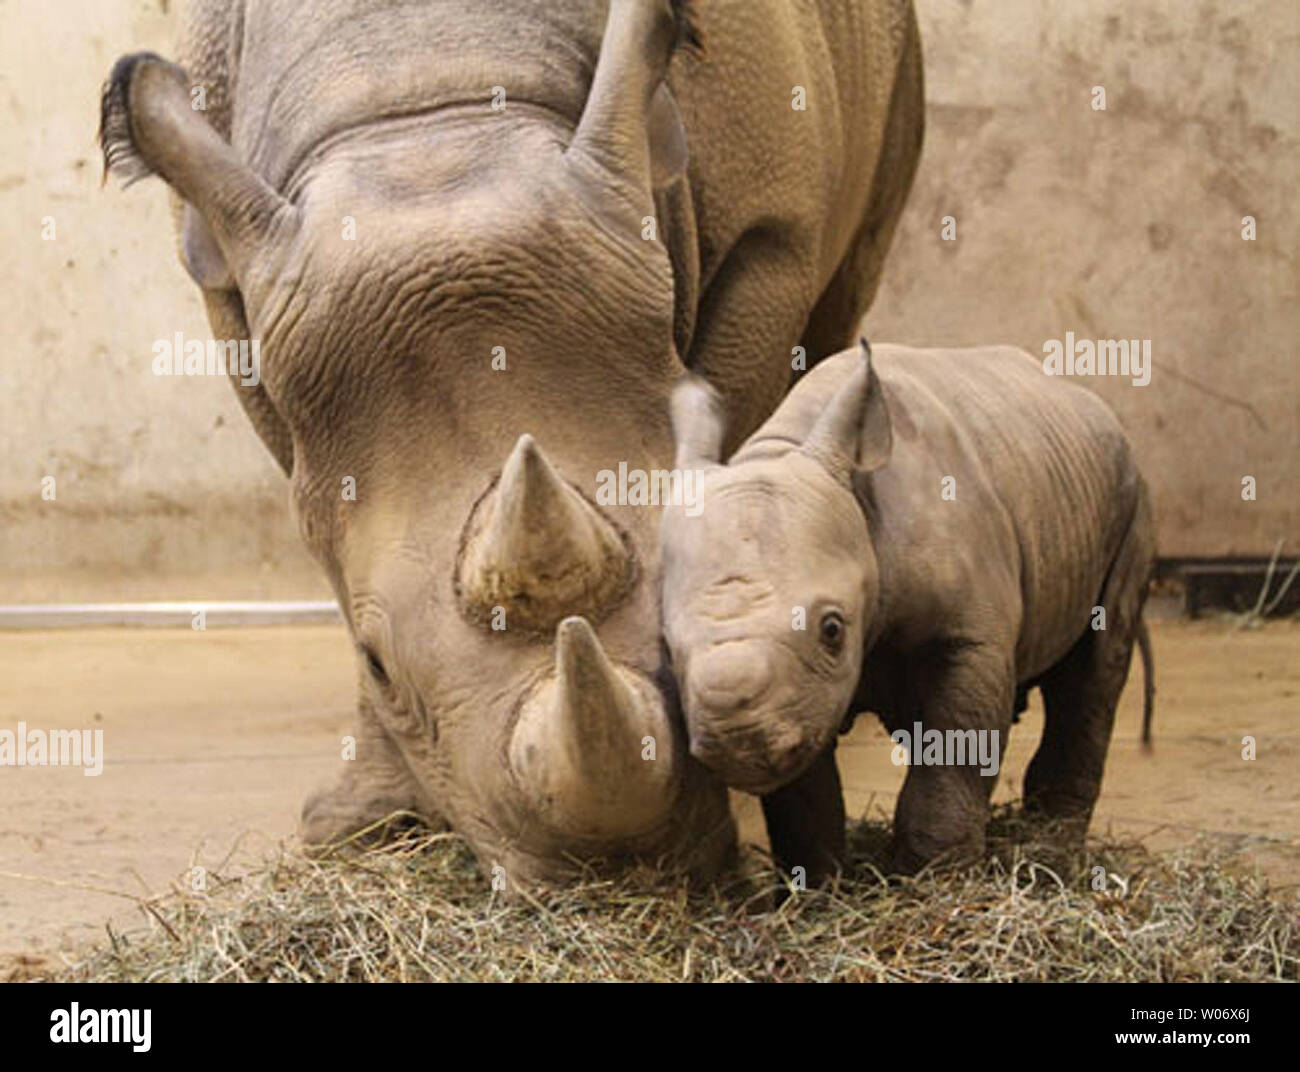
x: 927, y: 535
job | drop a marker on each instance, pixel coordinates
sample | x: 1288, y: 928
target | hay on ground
x: 419, y: 909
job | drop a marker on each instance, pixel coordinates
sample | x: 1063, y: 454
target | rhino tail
x: 1148, y: 682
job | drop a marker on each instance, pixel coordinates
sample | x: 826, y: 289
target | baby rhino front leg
x: 805, y: 821
x: 966, y: 695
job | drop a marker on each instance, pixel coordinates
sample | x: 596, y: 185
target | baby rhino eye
x: 832, y: 630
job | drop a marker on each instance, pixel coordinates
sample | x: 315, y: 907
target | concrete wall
x: 162, y: 486
x: 1124, y: 223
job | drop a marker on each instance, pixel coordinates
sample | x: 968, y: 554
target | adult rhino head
x: 432, y: 287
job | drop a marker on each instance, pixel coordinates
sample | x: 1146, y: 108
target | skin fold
x: 925, y: 534
x: 467, y: 313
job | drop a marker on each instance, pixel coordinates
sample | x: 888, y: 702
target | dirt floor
x: 212, y: 740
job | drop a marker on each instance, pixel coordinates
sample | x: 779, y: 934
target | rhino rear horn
x: 540, y: 550
x: 148, y: 127
x: 594, y: 747
x: 854, y: 433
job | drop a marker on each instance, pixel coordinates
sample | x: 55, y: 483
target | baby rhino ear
x: 854, y: 434
x: 876, y: 442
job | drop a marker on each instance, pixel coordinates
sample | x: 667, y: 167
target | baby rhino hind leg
x: 1082, y: 691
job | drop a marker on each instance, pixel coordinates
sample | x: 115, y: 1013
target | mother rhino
x: 451, y: 224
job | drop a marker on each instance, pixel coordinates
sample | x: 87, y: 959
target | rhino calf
x: 926, y: 535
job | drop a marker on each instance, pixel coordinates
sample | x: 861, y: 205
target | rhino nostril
x: 787, y: 760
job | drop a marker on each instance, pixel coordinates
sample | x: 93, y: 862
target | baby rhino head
x: 770, y: 581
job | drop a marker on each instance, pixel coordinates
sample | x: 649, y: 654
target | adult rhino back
x: 803, y: 123
x: 306, y: 72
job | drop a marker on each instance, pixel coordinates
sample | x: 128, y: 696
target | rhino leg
x: 372, y: 787
x: 943, y: 809
x: 755, y: 295
x: 1080, y: 695
x: 1082, y: 691
x: 833, y: 325
x: 805, y: 821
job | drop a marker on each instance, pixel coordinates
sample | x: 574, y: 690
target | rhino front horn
x: 594, y: 747
x: 539, y: 550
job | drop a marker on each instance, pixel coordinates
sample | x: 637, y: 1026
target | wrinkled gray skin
x: 522, y: 229
x: 917, y: 608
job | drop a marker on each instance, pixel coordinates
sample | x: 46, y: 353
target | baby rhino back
x: 1048, y: 456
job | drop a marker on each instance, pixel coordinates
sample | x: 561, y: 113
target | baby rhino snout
x: 731, y: 676
x: 731, y: 734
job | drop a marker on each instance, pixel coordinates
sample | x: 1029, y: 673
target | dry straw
x: 418, y: 909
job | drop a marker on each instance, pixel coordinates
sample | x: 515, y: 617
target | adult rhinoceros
x: 455, y: 226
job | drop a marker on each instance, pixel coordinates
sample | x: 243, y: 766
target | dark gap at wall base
x: 1229, y: 584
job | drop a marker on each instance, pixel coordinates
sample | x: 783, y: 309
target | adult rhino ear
x: 854, y: 434
x: 669, y: 154
x: 201, y: 254
x: 699, y: 424
x: 148, y: 127
x: 630, y: 125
